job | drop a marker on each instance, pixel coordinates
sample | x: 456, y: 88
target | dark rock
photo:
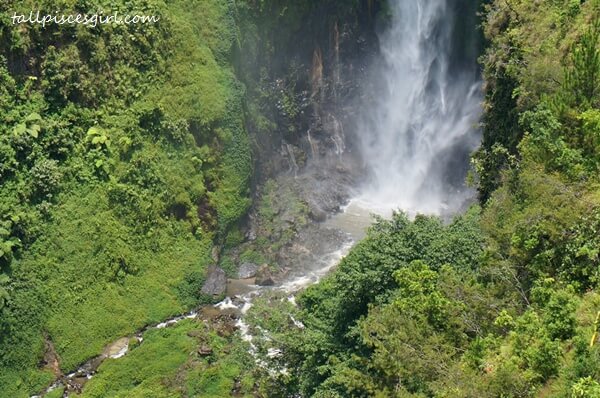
x: 316, y: 213
x: 236, y: 391
x: 209, y: 312
x: 195, y: 333
x: 288, y: 218
x: 247, y: 270
x: 205, y: 350
x: 264, y: 276
x: 226, y: 330
x: 216, y: 282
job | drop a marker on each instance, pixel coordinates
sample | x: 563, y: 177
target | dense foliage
x: 503, y: 301
x: 125, y: 166
x: 123, y: 159
x: 170, y: 363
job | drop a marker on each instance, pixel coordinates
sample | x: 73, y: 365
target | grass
x: 89, y: 305
x: 145, y: 370
x: 166, y: 364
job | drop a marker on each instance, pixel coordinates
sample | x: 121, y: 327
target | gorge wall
x: 340, y: 94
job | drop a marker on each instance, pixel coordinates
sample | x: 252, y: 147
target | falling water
x: 419, y: 126
x: 337, y: 135
x: 314, y: 147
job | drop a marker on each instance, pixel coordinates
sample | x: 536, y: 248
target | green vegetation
x: 279, y: 215
x: 503, y: 301
x: 125, y: 168
x: 123, y: 159
x: 539, y: 55
x: 169, y: 363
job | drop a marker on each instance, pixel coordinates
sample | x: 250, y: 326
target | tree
x: 582, y: 81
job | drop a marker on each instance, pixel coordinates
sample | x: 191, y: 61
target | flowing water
x: 417, y: 130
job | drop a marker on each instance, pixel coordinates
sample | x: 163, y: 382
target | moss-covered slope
x: 123, y: 157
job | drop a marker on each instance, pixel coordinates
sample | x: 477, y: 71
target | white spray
x: 421, y: 116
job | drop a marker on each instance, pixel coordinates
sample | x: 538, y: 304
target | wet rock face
x: 310, y: 245
x: 313, y: 85
x: 216, y: 282
x: 264, y: 276
x: 247, y: 270
x: 324, y: 189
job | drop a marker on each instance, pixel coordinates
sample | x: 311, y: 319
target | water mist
x: 418, y: 125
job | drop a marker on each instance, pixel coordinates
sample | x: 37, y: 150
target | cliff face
x: 303, y: 63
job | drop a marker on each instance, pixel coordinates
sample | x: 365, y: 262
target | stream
x: 337, y: 235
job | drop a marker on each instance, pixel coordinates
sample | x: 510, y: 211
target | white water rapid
x: 418, y: 126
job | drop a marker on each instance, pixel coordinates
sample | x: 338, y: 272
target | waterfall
x: 337, y: 135
x: 418, y: 125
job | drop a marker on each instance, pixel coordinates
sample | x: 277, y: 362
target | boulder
x: 205, y: 350
x: 264, y: 276
x: 316, y: 213
x: 247, y: 270
x: 216, y: 282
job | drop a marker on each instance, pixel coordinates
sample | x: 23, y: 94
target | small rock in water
x: 216, y: 282
x: 247, y: 270
x: 118, y: 348
x: 274, y: 352
x: 264, y: 277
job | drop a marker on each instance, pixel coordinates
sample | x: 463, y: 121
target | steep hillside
x: 123, y: 158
